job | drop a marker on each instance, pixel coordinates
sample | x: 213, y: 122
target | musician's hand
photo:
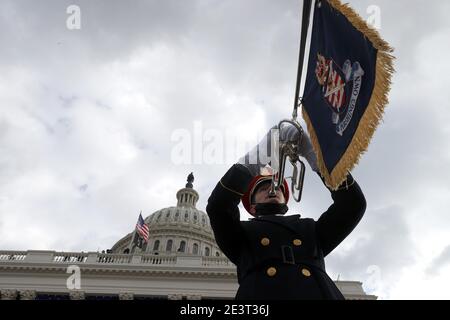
x: 289, y: 133
x: 257, y: 158
x: 307, y: 152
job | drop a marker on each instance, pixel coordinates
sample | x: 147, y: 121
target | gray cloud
x: 382, y: 240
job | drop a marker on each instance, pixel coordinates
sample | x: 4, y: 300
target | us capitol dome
x: 181, y: 229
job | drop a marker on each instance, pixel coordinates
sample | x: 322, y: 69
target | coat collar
x: 287, y: 222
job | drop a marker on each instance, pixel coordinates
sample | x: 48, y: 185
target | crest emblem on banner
x: 340, y: 88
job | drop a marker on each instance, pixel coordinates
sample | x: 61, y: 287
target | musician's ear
x: 253, y: 209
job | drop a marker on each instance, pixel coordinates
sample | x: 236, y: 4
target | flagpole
x: 304, y: 33
x: 133, y: 238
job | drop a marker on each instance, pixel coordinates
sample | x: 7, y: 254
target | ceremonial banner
x: 347, y: 84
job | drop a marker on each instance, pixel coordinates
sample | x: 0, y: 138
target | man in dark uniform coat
x: 277, y: 256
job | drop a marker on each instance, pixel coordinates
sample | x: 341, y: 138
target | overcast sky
x: 90, y: 120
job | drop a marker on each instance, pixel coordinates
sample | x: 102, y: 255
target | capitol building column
x: 8, y: 294
x: 126, y: 296
x: 27, y: 295
x: 76, y: 295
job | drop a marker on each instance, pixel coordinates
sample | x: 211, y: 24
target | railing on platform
x: 54, y: 257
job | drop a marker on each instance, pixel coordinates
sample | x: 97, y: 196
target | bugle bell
x: 288, y: 148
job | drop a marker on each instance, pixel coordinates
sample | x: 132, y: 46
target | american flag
x: 142, y: 228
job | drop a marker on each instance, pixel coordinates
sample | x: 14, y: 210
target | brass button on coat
x: 306, y: 272
x: 265, y: 241
x: 297, y: 242
x: 271, y: 271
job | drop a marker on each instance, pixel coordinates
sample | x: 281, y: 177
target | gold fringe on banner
x: 375, y: 110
